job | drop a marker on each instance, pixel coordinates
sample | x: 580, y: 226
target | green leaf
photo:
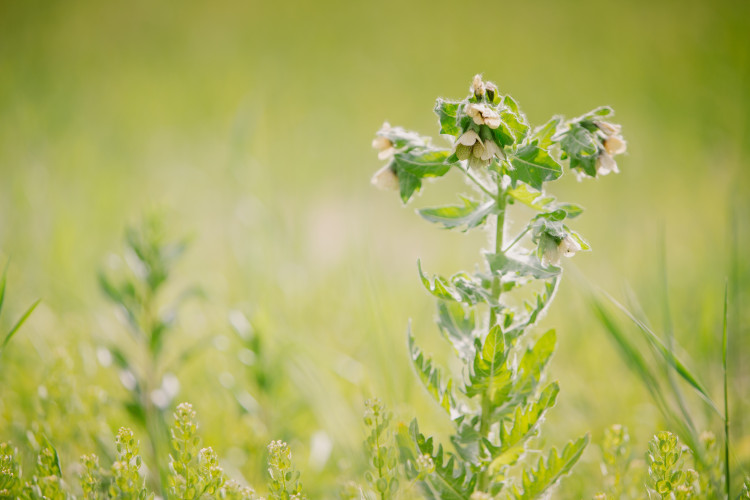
x: 543, y: 135
x: 514, y: 120
x: 439, y: 286
x: 581, y: 146
x: 530, y: 197
x: 431, y: 376
x: 536, y: 481
x: 534, y: 361
x: 3, y: 281
x: 18, y: 324
x: 457, y: 325
x: 598, y: 113
x: 408, y: 184
x: 538, y: 200
x: 464, y: 217
x: 414, y: 165
x: 452, y: 479
x: 447, y: 112
x: 534, y: 166
x: 536, y: 309
x: 490, y: 372
x: 522, y: 426
x: 521, y: 265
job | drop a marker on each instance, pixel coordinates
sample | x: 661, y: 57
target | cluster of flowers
x: 479, y: 116
x: 612, y: 144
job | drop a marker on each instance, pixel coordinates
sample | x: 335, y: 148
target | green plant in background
x: 137, y: 293
x: 381, y: 450
x: 10, y: 472
x: 285, y: 483
x: 500, y: 399
x: 660, y: 379
x: 666, y: 477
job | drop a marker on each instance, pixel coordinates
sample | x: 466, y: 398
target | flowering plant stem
x: 499, y: 400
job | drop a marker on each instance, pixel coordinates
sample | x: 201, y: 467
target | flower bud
x: 608, y: 128
x: 477, y: 86
x: 491, y: 89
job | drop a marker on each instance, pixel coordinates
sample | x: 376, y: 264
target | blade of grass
x: 669, y: 330
x: 2, y: 287
x: 726, y: 396
x: 640, y: 366
x: 672, y: 359
x: 19, y: 323
x: 630, y: 353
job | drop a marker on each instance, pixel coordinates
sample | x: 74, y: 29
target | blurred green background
x: 248, y: 124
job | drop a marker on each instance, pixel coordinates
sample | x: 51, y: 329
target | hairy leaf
x: 447, y: 112
x: 534, y: 166
x: 464, y: 217
x: 536, y: 481
x: 431, y: 376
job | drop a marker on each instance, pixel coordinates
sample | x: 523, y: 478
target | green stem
x: 726, y: 394
x: 478, y: 183
x: 486, y: 415
x: 517, y: 239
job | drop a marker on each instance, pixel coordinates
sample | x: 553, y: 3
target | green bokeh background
x: 248, y: 125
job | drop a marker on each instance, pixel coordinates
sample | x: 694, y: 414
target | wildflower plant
x: 143, y: 369
x: 667, y: 479
x: 499, y: 399
x: 381, y: 450
x: 285, y: 483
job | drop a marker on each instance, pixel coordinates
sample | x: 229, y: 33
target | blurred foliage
x: 249, y: 124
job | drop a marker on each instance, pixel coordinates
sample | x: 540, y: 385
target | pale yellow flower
x: 615, y: 145
x: 384, y: 147
x: 567, y: 247
x: 483, y: 115
x: 385, y: 178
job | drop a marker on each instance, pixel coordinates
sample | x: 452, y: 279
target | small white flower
x: 615, y: 145
x: 483, y: 115
x: 385, y: 178
x: 605, y: 164
x: 384, y: 147
x: 568, y: 246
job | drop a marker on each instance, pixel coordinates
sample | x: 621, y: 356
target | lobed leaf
x: 431, y: 376
x: 452, y: 479
x: 536, y: 481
